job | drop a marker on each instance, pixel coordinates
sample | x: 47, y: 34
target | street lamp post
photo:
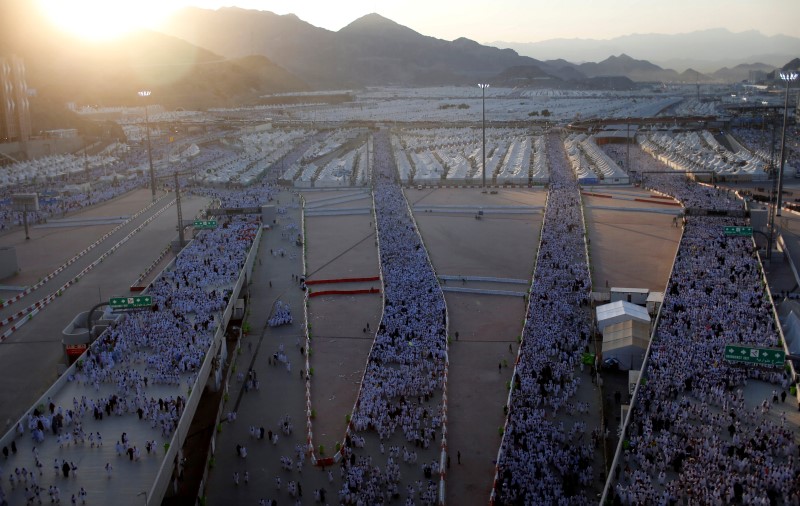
x: 788, y: 77
x: 144, y: 94
x: 483, y: 122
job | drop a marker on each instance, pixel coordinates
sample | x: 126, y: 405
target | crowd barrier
x: 307, y: 335
x: 76, y: 257
x: 33, y: 309
x: 661, y: 202
x: 341, y: 280
x: 344, y: 292
x: 136, y: 287
x: 519, y: 353
x: 338, y: 455
x: 164, y: 476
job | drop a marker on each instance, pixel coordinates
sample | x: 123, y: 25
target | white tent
x: 620, y: 311
x: 791, y: 325
x: 627, y: 342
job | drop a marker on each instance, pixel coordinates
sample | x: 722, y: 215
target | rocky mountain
x: 63, y: 68
x: 624, y: 65
x: 740, y: 72
x: 371, y: 50
x: 704, y: 50
x: 794, y: 64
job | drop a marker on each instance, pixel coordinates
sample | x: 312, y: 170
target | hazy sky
x: 482, y: 20
x: 534, y: 20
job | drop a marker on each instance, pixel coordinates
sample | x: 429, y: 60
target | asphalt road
x: 30, y: 356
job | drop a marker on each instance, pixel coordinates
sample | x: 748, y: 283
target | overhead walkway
x: 112, y: 373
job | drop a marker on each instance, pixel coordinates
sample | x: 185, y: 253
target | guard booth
x: 77, y: 336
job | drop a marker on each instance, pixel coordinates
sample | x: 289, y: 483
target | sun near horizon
x: 99, y: 20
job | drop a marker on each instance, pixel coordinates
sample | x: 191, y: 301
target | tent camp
x: 620, y: 311
x: 627, y: 342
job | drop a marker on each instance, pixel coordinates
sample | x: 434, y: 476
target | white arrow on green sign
x: 751, y: 355
x: 740, y: 231
x: 205, y: 224
x: 130, y: 302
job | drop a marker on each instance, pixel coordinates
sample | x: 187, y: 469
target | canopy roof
x: 620, y: 311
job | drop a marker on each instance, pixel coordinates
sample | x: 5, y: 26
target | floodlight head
x: 144, y: 93
x: 789, y: 76
x: 483, y: 86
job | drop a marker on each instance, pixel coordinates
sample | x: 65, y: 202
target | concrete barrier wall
x: 519, y: 348
x: 165, y: 472
x: 635, y: 397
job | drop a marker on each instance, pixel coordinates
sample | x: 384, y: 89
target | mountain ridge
x: 375, y: 50
x: 705, y: 50
x: 63, y: 68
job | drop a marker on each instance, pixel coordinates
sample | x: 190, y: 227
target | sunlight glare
x: 104, y: 19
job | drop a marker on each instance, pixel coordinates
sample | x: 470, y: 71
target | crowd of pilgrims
x: 542, y: 459
x: 281, y: 316
x: 403, y: 381
x: 693, y: 438
x: 759, y: 139
x: 57, y: 206
x: 143, y: 366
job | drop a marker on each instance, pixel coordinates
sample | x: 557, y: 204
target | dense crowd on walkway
x: 402, y: 385
x: 143, y: 366
x: 760, y: 140
x: 282, y: 315
x: 693, y: 438
x: 542, y: 459
x: 58, y: 205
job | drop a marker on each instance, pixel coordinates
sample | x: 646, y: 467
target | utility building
x: 15, y: 113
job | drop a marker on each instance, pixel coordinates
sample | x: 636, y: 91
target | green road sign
x: 740, y: 231
x: 130, y: 302
x: 750, y: 355
x: 205, y: 224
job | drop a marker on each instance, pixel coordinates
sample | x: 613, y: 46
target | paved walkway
x: 281, y: 392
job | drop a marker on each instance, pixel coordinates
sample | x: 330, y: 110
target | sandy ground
x: 340, y: 247
x: 629, y: 249
x: 481, y: 361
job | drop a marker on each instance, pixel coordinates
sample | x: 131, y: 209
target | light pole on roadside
x: 788, y: 77
x: 483, y: 87
x: 144, y: 94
